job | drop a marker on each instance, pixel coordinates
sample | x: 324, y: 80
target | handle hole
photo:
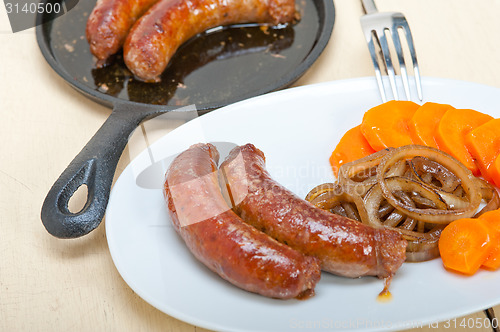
x: 78, y: 199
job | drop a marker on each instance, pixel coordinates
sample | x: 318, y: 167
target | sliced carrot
x: 495, y: 171
x: 464, y: 245
x: 450, y: 136
x: 352, y: 146
x: 493, y: 260
x: 423, y: 124
x: 483, y: 144
x: 386, y: 125
x: 492, y: 220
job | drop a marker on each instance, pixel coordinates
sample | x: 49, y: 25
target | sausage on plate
x: 345, y: 247
x: 109, y: 23
x: 219, y: 239
x: 157, y: 35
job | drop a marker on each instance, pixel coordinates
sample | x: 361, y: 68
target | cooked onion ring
x: 468, y: 183
x: 329, y: 196
x: 358, y: 176
x: 430, y: 172
x: 490, y: 195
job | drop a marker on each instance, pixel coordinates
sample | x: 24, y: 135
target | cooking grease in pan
x: 219, y: 66
x: 200, y: 63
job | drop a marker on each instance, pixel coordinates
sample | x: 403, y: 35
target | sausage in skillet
x: 156, y: 36
x: 109, y: 24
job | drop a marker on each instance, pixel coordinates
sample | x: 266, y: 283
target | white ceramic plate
x: 297, y: 129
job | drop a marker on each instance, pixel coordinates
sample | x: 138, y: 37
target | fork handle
x: 369, y: 6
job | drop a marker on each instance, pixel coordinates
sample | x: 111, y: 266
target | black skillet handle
x: 94, y: 167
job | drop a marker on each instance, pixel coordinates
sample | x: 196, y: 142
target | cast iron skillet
x: 211, y: 70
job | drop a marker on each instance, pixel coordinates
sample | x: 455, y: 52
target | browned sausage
x: 345, y: 247
x: 157, y: 34
x: 109, y: 24
x: 218, y: 238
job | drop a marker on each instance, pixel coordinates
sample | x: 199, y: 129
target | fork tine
x: 378, y: 75
x: 388, y: 62
x: 411, y: 47
x: 418, y: 82
x: 402, y: 64
x: 385, y: 28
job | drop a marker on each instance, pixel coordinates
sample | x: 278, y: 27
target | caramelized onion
x: 415, y: 190
x: 430, y: 172
x: 490, y: 196
x: 438, y: 216
x: 333, y: 198
x: 358, y: 176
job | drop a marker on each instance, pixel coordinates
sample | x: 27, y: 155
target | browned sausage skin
x: 219, y: 239
x: 109, y: 24
x: 157, y: 34
x: 345, y: 247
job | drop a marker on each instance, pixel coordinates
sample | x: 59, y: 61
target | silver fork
x: 375, y: 25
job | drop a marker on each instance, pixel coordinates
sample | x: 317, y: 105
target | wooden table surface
x: 48, y: 284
